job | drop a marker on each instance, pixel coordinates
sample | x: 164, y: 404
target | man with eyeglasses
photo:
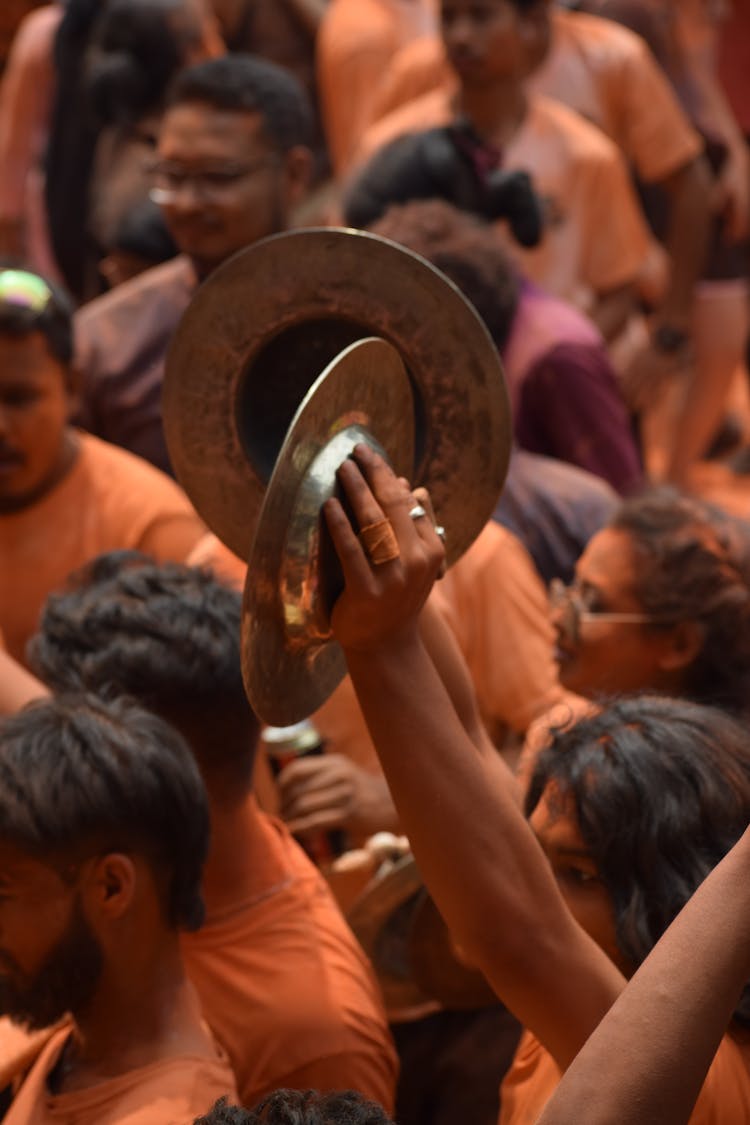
x: 233, y: 159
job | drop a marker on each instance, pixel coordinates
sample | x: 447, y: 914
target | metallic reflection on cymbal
x: 290, y: 662
x: 410, y: 947
x: 262, y: 328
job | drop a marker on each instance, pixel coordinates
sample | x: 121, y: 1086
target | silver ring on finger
x: 440, y: 532
x: 418, y: 512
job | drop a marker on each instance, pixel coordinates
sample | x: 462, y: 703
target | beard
x: 66, y: 981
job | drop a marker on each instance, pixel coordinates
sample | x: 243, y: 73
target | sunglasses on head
x: 24, y: 290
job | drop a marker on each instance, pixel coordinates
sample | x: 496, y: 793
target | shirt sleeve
x: 652, y: 127
x: 571, y: 409
x: 615, y: 240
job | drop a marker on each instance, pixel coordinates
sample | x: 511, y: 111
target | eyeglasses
x: 573, y: 611
x: 24, y: 290
x: 207, y: 184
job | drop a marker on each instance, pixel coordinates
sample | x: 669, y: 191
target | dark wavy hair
x: 661, y: 792
x: 166, y: 635
x: 134, y: 52
x: 80, y: 777
x: 300, y: 1107
x: 693, y: 564
x: 244, y: 83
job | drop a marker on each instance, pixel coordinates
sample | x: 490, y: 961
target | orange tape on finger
x: 380, y: 542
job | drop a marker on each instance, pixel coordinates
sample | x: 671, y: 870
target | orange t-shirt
x: 109, y: 500
x: 285, y: 986
x: 534, y: 1075
x: 169, y: 1092
x: 356, y: 42
x: 596, y: 67
x: 595, y: 237
x: 608, y: 75
x: 497, y: 607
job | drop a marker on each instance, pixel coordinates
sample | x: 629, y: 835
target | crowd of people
x: 546, y: 746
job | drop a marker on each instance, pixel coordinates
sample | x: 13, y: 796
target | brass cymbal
x: 405, y: 937
x: 266, y: 323
x: 290, y: 662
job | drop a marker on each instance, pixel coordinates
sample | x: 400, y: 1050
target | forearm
x: 450, y: 665
x: 687, y: 239
x: 477, y: 854
x: 656, y: 1044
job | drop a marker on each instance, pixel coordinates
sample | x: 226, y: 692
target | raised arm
x: 657, y: 1042
x: 477, y: 854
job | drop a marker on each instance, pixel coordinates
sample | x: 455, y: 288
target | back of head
x: 661, y: 792
x: 29, y: 303
x: 466, y: 249
x: 168, y: 636
x: 444, y: 163
x: 693, y: 564
x: 246, y: 84
x: 134, y: 52
x: 301, y: 1107
x: 80, y: 778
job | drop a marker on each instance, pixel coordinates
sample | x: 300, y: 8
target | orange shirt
x: 534, y: 1075
x: 285, y: 986
x: 608, y: 75
x: 595, y: 238
x: 356, y: 42
x: 172, y: 1091
x: 109, y: 500
x: 598, y: 68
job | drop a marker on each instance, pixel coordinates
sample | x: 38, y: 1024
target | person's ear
x: 298, y: 170
x: 110, y: 887
x: 682, y: 645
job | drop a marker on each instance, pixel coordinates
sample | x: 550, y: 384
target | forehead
x: 609, y: 560
x: 27, y: 356
x: 555, y: 823
x: 196, y: 132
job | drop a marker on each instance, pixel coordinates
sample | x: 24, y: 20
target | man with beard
x: 282, y: 980
x: 103, y: 834
x: 233, y: 158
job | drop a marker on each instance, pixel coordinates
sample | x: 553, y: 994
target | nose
x: 458, y: 33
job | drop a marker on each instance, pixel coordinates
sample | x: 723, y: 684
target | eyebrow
x: 571, y: 853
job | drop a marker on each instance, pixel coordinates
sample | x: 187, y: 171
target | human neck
x: 137, y: 1017
x: 241, y: 863
x: 496, y: 110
